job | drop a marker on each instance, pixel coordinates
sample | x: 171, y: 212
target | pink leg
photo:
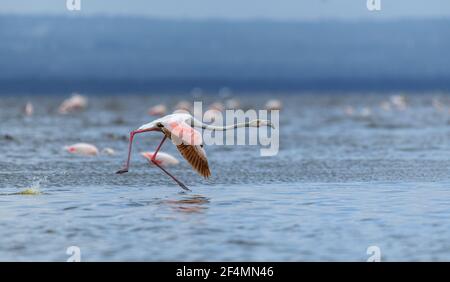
x: 130, y: 144
x: 153, y: 159
x: 159, y: 147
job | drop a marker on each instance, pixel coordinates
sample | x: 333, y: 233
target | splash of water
x: 35, y: 187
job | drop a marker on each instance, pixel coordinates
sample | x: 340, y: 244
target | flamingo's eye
x: 159, y: 124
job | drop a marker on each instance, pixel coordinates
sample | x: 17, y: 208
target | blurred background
x: 112, y: 46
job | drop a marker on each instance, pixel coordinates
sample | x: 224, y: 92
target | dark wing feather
x: 196, y: 156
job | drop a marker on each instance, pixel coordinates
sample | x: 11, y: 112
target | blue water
x: 339, y: 184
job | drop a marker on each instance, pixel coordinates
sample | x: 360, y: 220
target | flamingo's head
x: 261, y: 122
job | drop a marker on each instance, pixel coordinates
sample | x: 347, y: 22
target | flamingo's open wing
x: 196, y: 156
x: 189, y: 142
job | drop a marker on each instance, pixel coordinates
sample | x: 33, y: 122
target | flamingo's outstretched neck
x: 253, y: 123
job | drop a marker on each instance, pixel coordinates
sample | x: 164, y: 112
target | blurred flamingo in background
x: 28, y: 109
x: 274, y: 105
x: 161, y: 158
x: 158, y: 110
x: 399, y: 102
x: 108, y: 151
x: 73, y: 104
x: 84, y: 149
x: 183, y: 106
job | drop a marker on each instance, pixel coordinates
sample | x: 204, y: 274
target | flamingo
x: 108, y: 151
x: 183, y: 105
x: 74, y: 103
x: 399, y: 101
x: 84, y: 149
x: 28, y: 109
x: 158, y: 110
x: 274, y: 105
x: 232, y: 104
x: 163, y: 159
x: 180, y: 128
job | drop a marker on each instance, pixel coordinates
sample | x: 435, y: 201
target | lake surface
x: 341, y: 182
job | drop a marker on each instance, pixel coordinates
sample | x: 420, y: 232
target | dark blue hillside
x: 106, y: 54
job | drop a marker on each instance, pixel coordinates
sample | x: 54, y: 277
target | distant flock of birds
x: 179, y: 124
x: 78, y: 103
x: 393, y: 103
